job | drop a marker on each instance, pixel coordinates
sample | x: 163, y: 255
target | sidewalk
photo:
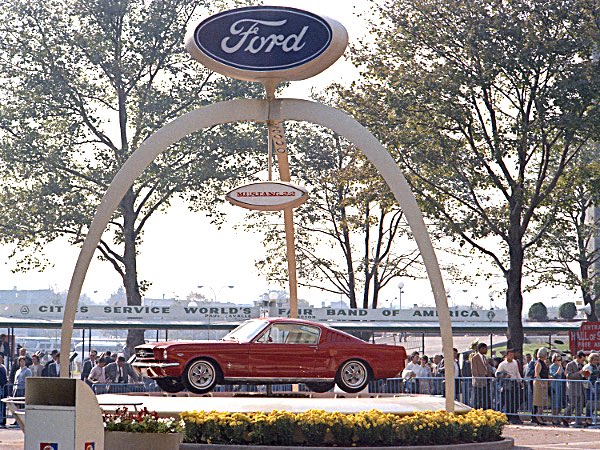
x: 526, y: 438
x: 553, y: 438
x: 11, y: 439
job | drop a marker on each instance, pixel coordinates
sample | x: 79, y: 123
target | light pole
x: 216, y: 293
x: 449, y: 296
x: 491, y: 295
x: 400, y: 291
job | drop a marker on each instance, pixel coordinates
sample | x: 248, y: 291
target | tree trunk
x: 376, y: 285
x: 130, y: 280
x: 348, y: 254
x: 584, y: 261
x: 514, y: 299
x: 367, y: 258
x: 588, y: 298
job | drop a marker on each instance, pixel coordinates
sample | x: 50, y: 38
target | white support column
x: 258, y: 111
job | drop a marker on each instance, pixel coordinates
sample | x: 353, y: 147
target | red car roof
x: 315, y: 324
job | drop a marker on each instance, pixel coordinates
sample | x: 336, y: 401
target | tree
x: 484, y: 104
x: 567, y: 311
x: 350, y: 212
x: 83, y: 84
x: 538, y: 312
x: 568, y: 253
x: 196, y: 297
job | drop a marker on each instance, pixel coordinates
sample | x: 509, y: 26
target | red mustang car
x: 270, y: 351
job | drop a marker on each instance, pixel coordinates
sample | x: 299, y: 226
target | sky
x: 183, y: 250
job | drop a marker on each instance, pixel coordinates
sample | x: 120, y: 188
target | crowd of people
x: 104, y: 368
x: 548, y: 384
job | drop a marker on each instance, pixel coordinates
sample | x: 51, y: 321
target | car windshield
x: 246, y: 331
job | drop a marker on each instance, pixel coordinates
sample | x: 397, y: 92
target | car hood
x: 170, y: 344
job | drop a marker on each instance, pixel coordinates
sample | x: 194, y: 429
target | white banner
x: 212, y: 312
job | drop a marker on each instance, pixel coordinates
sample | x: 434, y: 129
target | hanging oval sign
x: 259, y: 43
x: 268, y: 196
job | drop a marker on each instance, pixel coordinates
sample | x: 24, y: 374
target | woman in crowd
x: 424, y: 376
x: 591, y: 372
x: 20, y: 376
x: 540, y: 386
x: 36, y: 368
x: 557, y: 372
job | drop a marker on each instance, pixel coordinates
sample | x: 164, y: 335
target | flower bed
x: 318, y: 428
x: 142, y: 421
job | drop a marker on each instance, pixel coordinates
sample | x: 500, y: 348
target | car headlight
x: 165, y: 354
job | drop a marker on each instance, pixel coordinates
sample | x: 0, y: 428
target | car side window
x: 265, y: 337
x: 308, y: 335
x: 288, y: 333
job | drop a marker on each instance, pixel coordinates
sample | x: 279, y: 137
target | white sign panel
x: 214, y: 312
x: 268, y: 195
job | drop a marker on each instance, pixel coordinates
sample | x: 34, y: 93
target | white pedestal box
x: 62, y: 414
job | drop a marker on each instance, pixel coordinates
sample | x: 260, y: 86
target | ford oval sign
x: 262, y: 43
x: 268, y: 196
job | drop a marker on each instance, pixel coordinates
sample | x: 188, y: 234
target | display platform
x: 348, y: 403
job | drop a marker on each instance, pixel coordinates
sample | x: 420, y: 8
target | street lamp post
x: 216, y: 293
x: 449, y: 296
x: 215, y: 296
x: 491, y: 295
x: 400, y: 291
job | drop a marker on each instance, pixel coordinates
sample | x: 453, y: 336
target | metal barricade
x: 9, y: 391
x: 120, y: 388
x: 560, y: 401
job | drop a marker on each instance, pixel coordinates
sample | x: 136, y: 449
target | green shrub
x: 567, y: 311
x: 538, y: 312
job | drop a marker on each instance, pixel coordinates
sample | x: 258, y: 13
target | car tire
x: 171, y: 385
x: 320, y: 387
x: 353, y: 376
x: 201, y: 376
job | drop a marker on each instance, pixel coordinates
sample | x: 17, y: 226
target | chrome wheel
x: 201, y: 376
x: 353, y: 376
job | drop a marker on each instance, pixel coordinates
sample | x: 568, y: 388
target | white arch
x: 260, y: 111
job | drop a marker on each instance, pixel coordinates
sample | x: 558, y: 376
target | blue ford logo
x: 263, y: 38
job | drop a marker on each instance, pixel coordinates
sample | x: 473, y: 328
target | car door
x: 285, y: 350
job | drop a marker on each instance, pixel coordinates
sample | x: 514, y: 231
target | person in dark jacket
x: 50, y: 361
x: 3, y: 390
x: 54, y: 367
x: 4, y: 346
x: 88, y: 365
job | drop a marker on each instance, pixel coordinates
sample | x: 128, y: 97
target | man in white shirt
x: 510, y: 386
x: 97, y: 376
x: 413, y: 364
x: 410, y: 372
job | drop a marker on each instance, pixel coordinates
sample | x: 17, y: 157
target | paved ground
x: 348, y: 403
x: 11, y: 439
x: 551, y: 438
x: 526, y: 438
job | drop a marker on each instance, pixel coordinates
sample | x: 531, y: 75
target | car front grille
x: 144, y: 353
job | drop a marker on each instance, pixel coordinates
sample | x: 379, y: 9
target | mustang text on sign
x: 268, y: 196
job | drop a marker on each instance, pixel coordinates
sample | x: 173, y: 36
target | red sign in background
x: 586, y: 339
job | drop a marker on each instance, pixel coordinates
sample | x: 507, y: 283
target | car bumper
x: 157, y: 369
